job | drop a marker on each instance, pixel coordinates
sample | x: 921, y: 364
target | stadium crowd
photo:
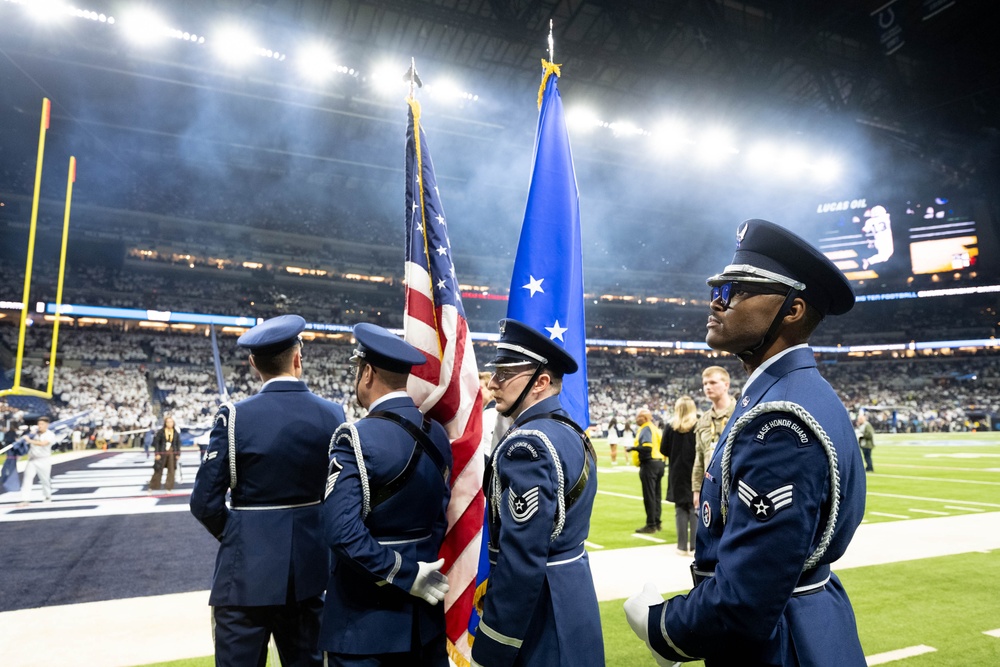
x: 128, y: 379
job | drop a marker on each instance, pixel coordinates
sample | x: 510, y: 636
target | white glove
x: 637, y: 613
x: 430, y: 584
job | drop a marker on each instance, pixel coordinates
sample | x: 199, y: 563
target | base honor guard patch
x: 523, y: 507
x: 764, y: 506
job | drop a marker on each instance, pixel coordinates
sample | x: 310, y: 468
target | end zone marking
x: 898, y: 654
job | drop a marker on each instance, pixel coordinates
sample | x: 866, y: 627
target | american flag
x: 447, y: 387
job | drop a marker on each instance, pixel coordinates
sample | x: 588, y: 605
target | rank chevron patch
x: 764, y: 506
x: 523, y: 507
x: 335, y: 470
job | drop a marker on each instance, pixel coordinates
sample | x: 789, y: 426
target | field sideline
x: 918, y: 611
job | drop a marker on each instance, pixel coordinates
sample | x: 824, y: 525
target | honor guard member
x: 540, y: 606
x: 784, y: 490
x: 385, y: 514
x: 270, y: 452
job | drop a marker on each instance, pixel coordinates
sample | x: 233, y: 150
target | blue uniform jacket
x: 368, y: 607
x: 759, y: 607
x: 540, y: 606
x: 268, y: 556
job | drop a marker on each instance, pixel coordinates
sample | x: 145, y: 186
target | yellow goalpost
x: 17, y: 389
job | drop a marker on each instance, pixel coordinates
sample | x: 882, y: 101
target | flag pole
x: 552, y: 47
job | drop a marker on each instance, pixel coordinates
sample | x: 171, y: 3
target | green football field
x: 947, y: 604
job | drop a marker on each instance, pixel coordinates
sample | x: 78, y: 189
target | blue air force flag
x: 546, y: 288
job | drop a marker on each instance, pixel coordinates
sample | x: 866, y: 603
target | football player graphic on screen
x: 878, y: 229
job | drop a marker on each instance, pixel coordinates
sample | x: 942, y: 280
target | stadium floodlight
x: 669, y: 137
x: 447, y: 90
x: 581, y: 119
x: 47, y: 10
x: 315, y: 62
x: 827, y: 170
x: 761, y: 157
x: 388, y: 79
x: 792, y: 162
x: 625, y: 128
x: 715, y: 146
x: 234, y: 45
x: 143, y: 27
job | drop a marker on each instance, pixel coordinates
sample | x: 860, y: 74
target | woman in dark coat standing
x: 167, y: 448
x: 678, y: 445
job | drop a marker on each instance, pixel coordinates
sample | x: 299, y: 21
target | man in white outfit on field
x: 39, y: 462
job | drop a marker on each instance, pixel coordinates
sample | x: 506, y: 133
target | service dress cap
x: 520, y: 344
x: 766, y: 252
x: 383, y: 349
x: 274, y: 335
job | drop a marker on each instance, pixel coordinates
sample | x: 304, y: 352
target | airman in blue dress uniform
x: 785, y: 490
x: 385, y: 515
x: 270, y: 450
x: 540, y: 606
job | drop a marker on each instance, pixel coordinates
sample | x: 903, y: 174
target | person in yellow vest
x: 651, y: 467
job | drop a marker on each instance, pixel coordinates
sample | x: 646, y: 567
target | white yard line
x: 934, y: 468
x: 963, y: 509
x: 898, y: 654
x: 934, y: 500
x: 993, y: 633
x: 591, y: 545
x: 891, y: 516
x: 649, y: 537
x: 928, y: 512
x: 946, y: 480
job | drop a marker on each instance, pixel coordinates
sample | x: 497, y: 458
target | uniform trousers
x: 651, y: 478
x: 43, y: 468
x: 242, y: 634
x: 432, y: 654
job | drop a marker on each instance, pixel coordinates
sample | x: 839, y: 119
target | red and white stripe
x: 447, y: 389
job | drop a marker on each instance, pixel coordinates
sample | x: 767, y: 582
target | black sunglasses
x: 727, y: 290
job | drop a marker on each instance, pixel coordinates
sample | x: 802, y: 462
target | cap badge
x: 741, y: 233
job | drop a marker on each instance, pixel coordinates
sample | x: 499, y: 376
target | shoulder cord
x: 231, y: 433
x: 831, y: 455
x: 350, y: 431
x: 495, y: 490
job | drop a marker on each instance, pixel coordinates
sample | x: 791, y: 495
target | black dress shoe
x: 646, y: 530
